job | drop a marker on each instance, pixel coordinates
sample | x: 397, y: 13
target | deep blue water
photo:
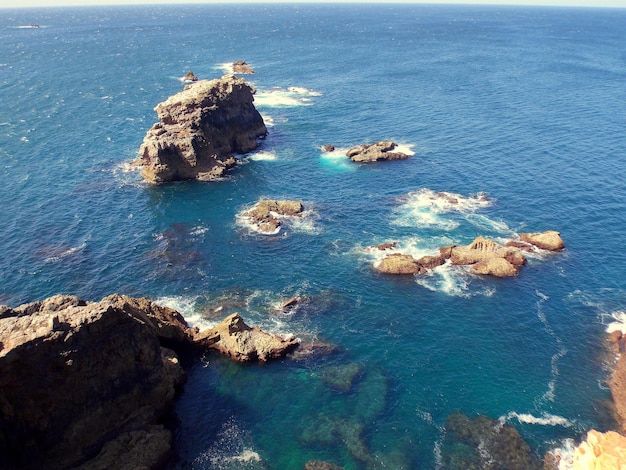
x: 523, y: 105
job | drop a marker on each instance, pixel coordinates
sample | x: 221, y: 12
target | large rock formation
x: 90, y: 385
x: 240, y: 66
x: 75, y: 376
x: 367, y: 153
x: 199, y: 130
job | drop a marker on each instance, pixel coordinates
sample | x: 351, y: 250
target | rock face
x: 367, y: 153
x: 89, y: 384
x: 242, y: 343
x: 548, y: 240
x: 75, y: 375
x: 199, y: 130
x: 601, y: 451
x: 617, y: 381
x: 190, y: 77
x: 266, y: 214
x: 398, y: 263
x: 487, y: 257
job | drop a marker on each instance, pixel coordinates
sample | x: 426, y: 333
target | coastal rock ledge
x: 91, y: 385
x: 199, y: 131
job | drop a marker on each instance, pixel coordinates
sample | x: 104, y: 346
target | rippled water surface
x: 516, y: 113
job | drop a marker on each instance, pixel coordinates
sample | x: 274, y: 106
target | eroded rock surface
x: 548, y: 240
x: 377, y: 151
x: 266, y: 214
x: 601, y: 451
x: 199, y: 131
x: 242, y: 343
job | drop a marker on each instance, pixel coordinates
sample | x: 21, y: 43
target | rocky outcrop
x: 90, y: 384
x: 487, y: 257
x: 367, y: 153
x: 617, y: 380
x: 601, y: 451
x: 548, y: 240
x: 199, y: 130
x: 321, y: 465
x: 76, y: 375
x: 242, y: 343
x: 398, y: 263
x: 190, y: 77
x: 242, y: 67
x: 266, y: 214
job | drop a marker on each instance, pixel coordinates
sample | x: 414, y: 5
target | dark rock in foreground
x: 90, y: 384
x: 374, y: 152
x: 199, y: 130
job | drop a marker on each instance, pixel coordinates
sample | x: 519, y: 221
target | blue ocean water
x: 518, y: 113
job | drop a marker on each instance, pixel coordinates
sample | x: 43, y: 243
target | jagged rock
x: 548, y: 240
x: 601, y: 451
x: 617, y: 380
x: 265, y: 215
x: 328, y: 148
x: 76, y: 375
x: 397, y: 263
x: 488, y: 257
x: 242, y: 343
x: 190, y: 77
x: 385, y: 246
x: 431, y: 262
x: 242, y: 67
x: 199, y: 130
x: 366, y: 153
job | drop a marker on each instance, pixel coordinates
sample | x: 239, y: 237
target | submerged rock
x: 483, y: 443
x: 321, y: 465
x: 266, y: 214
x: 242, y: 343
x: 366, y: 153
x: 199, y: 130
x: 340, y: 377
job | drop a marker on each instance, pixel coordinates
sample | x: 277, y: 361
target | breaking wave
x: 285, y: 97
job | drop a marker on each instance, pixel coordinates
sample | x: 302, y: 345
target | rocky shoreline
x: 93, y: 384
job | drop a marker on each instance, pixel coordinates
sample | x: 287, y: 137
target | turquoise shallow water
x: 521, y: 105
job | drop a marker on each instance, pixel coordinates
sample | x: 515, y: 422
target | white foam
x: 305, y: 222
x: 263, y: 156
x: 289, y: 97
x: 407, y: 149
x: 565, y: 454
x: 337, y: 158
x: 198, y: 230
x: 186, y: 306
x: 546, y: 419
x: 59, y: 255
x: 247, y: 455
x: 268, y: 120
x: 617, y: 321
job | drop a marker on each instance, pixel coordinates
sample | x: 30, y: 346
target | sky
x: 49, y: 3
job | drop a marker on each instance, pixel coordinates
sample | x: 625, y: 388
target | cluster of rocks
x: 199, y: 131
x: 91, y: 384
x: 266, y: 214
x: 483, y: 255
x: 366, y: 153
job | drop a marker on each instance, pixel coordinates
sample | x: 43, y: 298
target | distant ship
x: 29, y: 26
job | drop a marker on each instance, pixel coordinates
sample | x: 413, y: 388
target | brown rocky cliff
x: 199, y: 130
x: 74, y: 375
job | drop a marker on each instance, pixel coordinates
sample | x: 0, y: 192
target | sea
x: 514, y: 119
